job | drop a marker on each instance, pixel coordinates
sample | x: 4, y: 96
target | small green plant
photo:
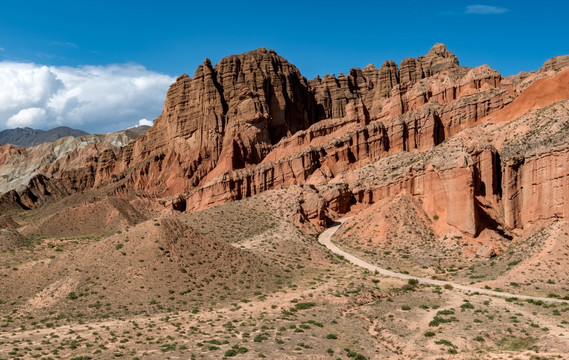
x: 231, y: 353
x: 304, y: 305
x: 444, y: 342
x: 259, y: 338
x: 516, y: 343
x: 332, y: 336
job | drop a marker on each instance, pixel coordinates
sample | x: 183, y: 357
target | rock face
x: 541, y: 93
x: 224, y: 117
x: 486, y: 251
x: 428, y: 127
x: 556, y: 63
x: 537, y: 188
x: 21, y: 165
x: 373, y: 85
x: 6, y: 222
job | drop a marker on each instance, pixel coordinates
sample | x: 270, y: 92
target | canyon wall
x: 253, y: 123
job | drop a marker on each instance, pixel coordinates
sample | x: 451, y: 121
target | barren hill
x: 30, y: 137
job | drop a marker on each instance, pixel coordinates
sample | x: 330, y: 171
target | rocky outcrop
x: 437, y: 59
x: 332, y: 147
x: 232, y: 116
x: 21, y: 165
x: 6, y: 222
x: 541, y: 93
x: 556, y: 63
x: 486, y: 251
x: 223, y: 118
x: 443, y: 184
x: 373, y: 85
x: 536, y: 189
x: 252, y: 123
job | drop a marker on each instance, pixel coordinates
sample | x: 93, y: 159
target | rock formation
x: 556, y: 63
x: 251, y: 123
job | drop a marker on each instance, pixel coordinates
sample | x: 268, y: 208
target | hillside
x: 27, y: 137
x: 198, y: 237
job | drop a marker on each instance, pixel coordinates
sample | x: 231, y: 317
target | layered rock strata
x: 253, y: 123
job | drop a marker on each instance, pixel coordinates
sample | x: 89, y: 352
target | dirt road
x: 325, y: 239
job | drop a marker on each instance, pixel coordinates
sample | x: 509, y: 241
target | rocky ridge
x: 31, y: 137
x: 252, y: 123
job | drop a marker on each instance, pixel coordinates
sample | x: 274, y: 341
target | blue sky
x: 163, y: 39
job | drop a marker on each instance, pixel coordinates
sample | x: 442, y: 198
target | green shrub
x: 231, y: 353
x: 446, y: 312
x: 444, y: 342
x: 413, y: 282
x: 437, y: 320
x: 304, y: 305
x: 259, y: 338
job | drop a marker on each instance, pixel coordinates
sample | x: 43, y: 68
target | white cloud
x: 145, y: 122
x: 93, y: 98
x: 484, y: 10
x: 30, y: 117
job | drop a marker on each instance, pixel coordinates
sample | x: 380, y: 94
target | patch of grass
x: 437, y: 320
x: 444, y: 342
x: 516, y: 343
x: 260, y: 338
x: 305, y: 305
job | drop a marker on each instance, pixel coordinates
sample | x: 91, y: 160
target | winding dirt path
x: 325, y: 239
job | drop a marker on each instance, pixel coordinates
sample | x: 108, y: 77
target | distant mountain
x: 138, y: 130
x: 30, y: 137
